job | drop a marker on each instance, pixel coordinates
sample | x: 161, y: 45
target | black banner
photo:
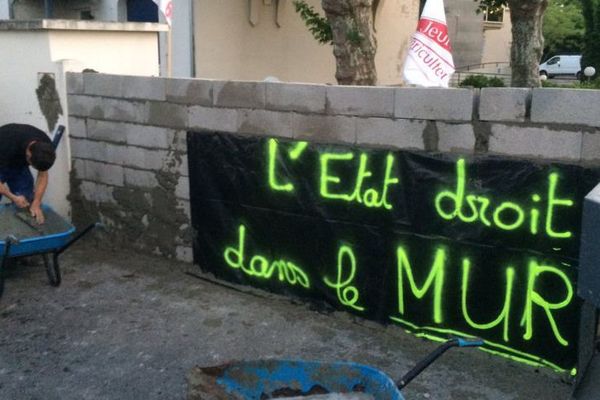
x: 440, y: 244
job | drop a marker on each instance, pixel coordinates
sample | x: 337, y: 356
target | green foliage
x: 548, y: 84
x: 564, y: 27
x: 480, y: 81
x: 591, y: 46
x: 595, y: 84
x: 493, y: 4
x: 317, y: 24
x: 320, y: 27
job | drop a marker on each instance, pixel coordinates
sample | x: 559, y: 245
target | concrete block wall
x: 128, y: 136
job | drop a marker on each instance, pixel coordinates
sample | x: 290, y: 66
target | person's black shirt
x: 14, y: 139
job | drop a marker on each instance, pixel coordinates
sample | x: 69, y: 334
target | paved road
x: 125, y: 326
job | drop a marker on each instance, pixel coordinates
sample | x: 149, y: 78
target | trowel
x: 25, y: 216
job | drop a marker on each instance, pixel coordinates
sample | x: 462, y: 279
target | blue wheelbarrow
x: 271, y: 379
x: 21, y: 236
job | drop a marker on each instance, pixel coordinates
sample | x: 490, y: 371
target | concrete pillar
x: 182, y: 30
x: 183, y: 39
x: 5, y: 9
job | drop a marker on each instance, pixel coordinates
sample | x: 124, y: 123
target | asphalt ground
x: 128, y: 326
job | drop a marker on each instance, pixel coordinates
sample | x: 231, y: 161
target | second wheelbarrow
x: 271, y: 379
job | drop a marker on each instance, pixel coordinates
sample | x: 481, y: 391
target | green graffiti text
x: 260, y: 267
x: 508, y: 216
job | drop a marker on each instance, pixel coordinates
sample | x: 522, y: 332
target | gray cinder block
x: 265, y: 122
x: 588, y: 286
x: 455, y: 137
x: 190, y: 91
x: 75, y: 83
x: 125, y: 87
x: 434, y: 104
x: 503, y: 104
x: 140, y: 179
x: 217, y: 119
x: 566, y: 106
x: 239, y: 94
x: 590, y: 148
x: 97, y: 193
x: 360, y: 101
x: 385, y: 132
x: 296, y: 97
x: 123, y: 110
x: 89, y: 150
x: 536, y: 142
x: 107, y: 174
x: 324, y: 128
x: 167, y: 115
x: 77, y: 127
x: 106, y: 131
x: 85, y: 107
x: 79, y: 168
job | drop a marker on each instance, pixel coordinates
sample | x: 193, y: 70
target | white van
x: 562, y: 65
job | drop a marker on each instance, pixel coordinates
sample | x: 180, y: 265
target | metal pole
x: 170, y: 52
x: 48, y: 8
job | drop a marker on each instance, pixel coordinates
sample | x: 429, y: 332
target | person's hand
x: 36, y: 212
x: 20, y: 201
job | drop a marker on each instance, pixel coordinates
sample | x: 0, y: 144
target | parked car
x: 562, y: 65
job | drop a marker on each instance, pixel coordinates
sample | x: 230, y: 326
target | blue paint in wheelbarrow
x: 254, y: 379
x: 266, y: 379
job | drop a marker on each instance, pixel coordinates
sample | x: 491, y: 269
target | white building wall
x: 498, y: 39
x: 126, y: 53
x: 254, y: 40
x: 101, y: 10
x: 55, y: 51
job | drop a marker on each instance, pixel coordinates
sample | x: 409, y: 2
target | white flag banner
x: 429, y: 61
x: 166, y: 7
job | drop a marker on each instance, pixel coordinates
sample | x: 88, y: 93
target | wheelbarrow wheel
x: 52, y: 270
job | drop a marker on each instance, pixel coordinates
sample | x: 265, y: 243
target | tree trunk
x: 591, y: 48
x: 527, y: 41
x: 354, y: 43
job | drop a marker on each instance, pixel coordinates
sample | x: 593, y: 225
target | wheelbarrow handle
x: 77, y: 237
x: 58, y: 134
x: 434, y: 355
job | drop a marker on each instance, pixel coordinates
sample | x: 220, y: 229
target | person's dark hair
x: 42, y: 156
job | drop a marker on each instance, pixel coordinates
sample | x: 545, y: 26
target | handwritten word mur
x: 537, y: 276
x: 509, y: 216
x: 260, y: 267
x: 365, y: 192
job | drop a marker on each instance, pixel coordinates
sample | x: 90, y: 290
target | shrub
x: 585, y: 84
x: 480, y: 81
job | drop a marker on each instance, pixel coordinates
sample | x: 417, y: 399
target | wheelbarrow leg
x: 52, y: 269
x: 9, y: 242
x: 52, y: 266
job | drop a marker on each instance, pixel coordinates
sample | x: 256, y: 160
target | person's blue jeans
x: 19, y: 181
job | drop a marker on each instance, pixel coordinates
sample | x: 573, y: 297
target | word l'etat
x: 536, y: 215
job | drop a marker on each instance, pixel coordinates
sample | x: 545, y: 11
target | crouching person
x: 22, y: 146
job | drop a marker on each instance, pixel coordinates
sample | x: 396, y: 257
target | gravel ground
x: 127, y: 326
